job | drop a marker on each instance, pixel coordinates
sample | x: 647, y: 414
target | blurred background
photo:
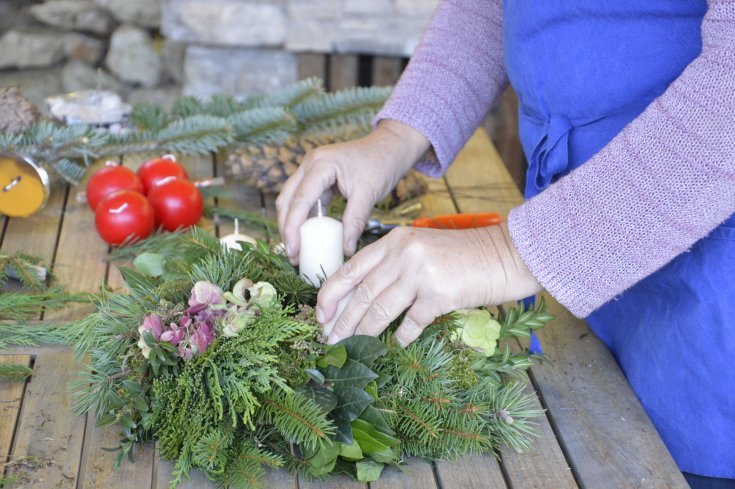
x: 156, y: 50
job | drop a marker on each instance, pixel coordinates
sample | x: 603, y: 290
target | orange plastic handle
x: 459, y: 221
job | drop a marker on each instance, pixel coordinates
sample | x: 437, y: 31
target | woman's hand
x: 364, y: 171
x: 427, y: 271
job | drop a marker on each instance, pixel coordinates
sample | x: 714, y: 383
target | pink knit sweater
x: 660, y: 185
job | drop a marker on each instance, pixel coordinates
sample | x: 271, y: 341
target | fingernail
x: 319, y: 314
x: 289, y: 250
x: 400, y: 342
x: 333, y: 338
x: 351, y: 244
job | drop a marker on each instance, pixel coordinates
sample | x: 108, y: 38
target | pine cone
x: 16, y: 111
x: 268, y: 167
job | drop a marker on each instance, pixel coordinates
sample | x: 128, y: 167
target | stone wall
x: 156, y: 49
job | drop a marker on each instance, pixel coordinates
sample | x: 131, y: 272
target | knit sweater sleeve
x: 663, y: 183
x: 454, y: 77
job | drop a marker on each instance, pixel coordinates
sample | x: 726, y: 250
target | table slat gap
x: 11, y: 398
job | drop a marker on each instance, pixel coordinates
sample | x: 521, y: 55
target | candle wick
x: 319, y: 207
x: 237, y: 226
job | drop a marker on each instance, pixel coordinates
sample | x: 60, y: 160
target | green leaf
x: 352, y: 374
x: 324, y: 398
x: 352, y: 402
x: 351, y: 452
x: 321, y: 459
x: 345, y: 467
x: 151, y: 264
x: 377, y: 445
x: 372, y: 389
x: 315, y: 375
x: 364, y: 349
x: 335, y: 356
x: 368, y: 470
x: 375, y: 418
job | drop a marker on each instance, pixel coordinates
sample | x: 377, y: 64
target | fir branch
x: 298, y: 418
x: 353, y: 107
x: 22, y: 334
x: 292, y: 95
x: 519, y: 321
x: 266, y: 125
x: 14, y: 372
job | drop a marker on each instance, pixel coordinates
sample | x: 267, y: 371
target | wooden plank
x: 386, y: 70
x: 544, y: 465
x: 97, y: 467
x: 49, y: 435
x: 416, y: 474
x: 471, y: 472
x: 11, y: 395
x: 601, y: 424
x: 342, y: 71
x: 80, y: 262
x: 333, y: 482
x: 478, y: 179
x: 312, y: 64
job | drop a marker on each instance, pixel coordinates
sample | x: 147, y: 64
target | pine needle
x: 14, y: 372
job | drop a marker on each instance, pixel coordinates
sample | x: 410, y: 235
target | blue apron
x: 583, y: 70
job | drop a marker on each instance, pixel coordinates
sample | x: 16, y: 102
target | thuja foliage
x: 265, y: 391
x: 196, y: 126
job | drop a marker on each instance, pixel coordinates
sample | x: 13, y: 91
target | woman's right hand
x: 364, y: 171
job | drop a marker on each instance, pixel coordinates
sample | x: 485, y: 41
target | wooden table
x: 594, y: 435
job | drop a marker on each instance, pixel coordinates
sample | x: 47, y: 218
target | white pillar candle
x: 320, y: 249
x: 232, y: 241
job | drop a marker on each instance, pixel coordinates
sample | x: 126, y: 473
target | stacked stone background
x: 157, y: 49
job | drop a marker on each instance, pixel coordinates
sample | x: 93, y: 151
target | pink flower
x: 205, y: 293
x: 186, y: 354
x: 152, y: 323
x: 173, y: 335
x: 203, y: 337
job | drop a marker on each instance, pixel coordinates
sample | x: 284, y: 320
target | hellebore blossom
x: 236, y: 320
x: 205, y: 294
x: 262, y: 294
x: 237, y: 296
x: 478, y: 330
x: 151, y: 323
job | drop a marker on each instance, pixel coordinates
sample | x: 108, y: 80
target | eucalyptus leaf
x: 151, y: 264
x: 352, y: 374
x: 137, y: 282
x: 334, y: 356
x: 364, y: 349
x: 368, y: 470
x: 324, y: 398
x: 315, y: 375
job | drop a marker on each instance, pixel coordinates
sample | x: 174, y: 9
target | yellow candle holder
x: 24, y: 186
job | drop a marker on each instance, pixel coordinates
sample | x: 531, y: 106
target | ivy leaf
x: 364, y: 349
x: 351, y: 451
x: 352, y: 402
x: 334, y: 356
x: 368, y: 470
x: 322, y: 459
x: 375, y: 418
x: 344, y: 467
x: 352, y: 374
x: 377, y: 445
x: 151, y: 264
x: 324, y: 398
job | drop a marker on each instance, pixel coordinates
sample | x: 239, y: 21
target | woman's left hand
x: 430, y: 272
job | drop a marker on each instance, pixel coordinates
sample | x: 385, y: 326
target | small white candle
x: 320, y: 249
x: 232, y: 241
